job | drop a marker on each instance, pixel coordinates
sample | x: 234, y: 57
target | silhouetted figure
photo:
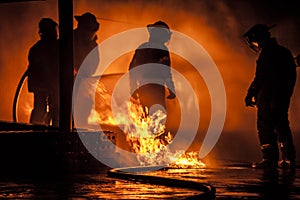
x: 271, y: 91
x: 153, y: 51
x: 43, y: 74
x: 85, y: 40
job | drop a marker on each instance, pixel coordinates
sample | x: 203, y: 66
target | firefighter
x: 153, y: 51
x: 271, y: 91
x: 43, y: 73
x: 85, y: 40
x: 85, y: 43
x: 148, y: 85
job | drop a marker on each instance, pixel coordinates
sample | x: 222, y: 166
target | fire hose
x: 208, y: 191
x: 16, y: 98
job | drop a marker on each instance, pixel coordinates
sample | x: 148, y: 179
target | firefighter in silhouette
x: 43, y: 73
x: 271, y: 91
x: 148, y: 55
x: 85, y: 51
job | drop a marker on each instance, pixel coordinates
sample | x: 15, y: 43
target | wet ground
x: 231, y: 181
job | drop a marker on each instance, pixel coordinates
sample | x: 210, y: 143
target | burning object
x: 145, y: 133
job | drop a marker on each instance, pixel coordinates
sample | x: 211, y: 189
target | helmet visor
x: 251, y: 42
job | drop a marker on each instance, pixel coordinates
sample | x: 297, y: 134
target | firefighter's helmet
x: 47, y: 25
x: 88, y: 21
x: 160, y: 29
x: 256, y: 35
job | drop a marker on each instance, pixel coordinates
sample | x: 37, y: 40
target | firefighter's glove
x: 250, y: 100
x: 172, y: 95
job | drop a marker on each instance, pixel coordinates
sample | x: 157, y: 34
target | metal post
x: 65, y: 12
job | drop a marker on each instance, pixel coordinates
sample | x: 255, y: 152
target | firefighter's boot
x: 270, y: 157
x: 287, y: 155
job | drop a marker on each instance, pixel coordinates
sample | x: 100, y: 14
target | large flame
x: 146, y: 133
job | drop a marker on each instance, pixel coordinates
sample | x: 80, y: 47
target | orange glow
x: 102, y: 113
x: 25, y: 104
x: 188, y: 160
x: 213, y: 24
x: 145, y: 133
x: 28, y: 108
x: 194, y: 19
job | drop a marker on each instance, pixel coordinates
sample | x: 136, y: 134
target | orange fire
x: 145, y: 133
x: 188, y: 160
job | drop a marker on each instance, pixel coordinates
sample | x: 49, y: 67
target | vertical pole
x: 65, y: 12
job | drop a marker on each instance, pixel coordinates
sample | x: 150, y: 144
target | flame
x: 105, y: 114
x: 93, y: 117
x: 145, y: 133
x: 188, y: 160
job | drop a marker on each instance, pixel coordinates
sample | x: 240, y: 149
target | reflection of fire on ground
x: 144, y: 134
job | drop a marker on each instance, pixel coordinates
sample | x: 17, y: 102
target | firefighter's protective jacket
x: 275, y: 75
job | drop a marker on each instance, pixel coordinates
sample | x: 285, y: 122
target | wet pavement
x: 241, y: 182
x: 87, y: 186
x: 231, y: 181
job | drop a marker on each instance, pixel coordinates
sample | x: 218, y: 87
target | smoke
x: 216, y: 25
